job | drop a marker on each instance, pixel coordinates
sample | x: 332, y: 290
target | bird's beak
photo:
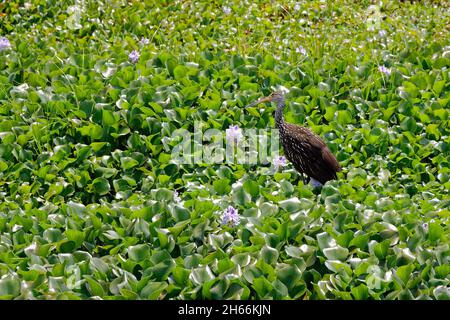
x: 254, y: 103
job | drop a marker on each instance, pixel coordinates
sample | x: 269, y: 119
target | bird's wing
x: 312, y: 153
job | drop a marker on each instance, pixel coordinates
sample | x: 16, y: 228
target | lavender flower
x: 4, y: 44
x: 134, y: 56
x: 279, y: 161
x: 301, y: 50
x: 315, y: 183
x: 233, y: 134
x: 384, y: 70
x: 382, y: 33
x: 426, y: 225
x: 230, y: 216
x: 176, y: 196
x: 226, y: 10
x: 144, y: 41
x: 297, y: 7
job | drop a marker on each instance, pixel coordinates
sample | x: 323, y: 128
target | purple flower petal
x: 134, y: 56
x: 144, y: 41
x: 301, y: 50
x: 279, y: 161
x: 230, y: 216
x: 233, y: 134
x: 384, y: 70
x: 226, y: 10
x: 4, y: 44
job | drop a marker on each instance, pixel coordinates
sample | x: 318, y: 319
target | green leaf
x: 357, y: 177
x: 201, y: 275
x: 76, y: 236
x: 269, y: 62
x: 128, y: 163
x: 88, y: 142
x: 381, y: 249
x: 435, y: 232
x: 336, y: 253
x: 94, y: 287
x: 360, y: 292
x: 153, y: 290
x: 180, y: 275
x: 139, y: 252
x: 161, y: 270
x: 360, y: 241
x: 239, y: 195
x: 108, y: 118
x: 171, y: 63
x: 405, y: 294
x: 438, y: 86
x: 222, y: 186
x: 294, y: 251
x: 442, y: 271
x: 269, y: 254
x: 325, y: 241
x: 97, y: 146
x: 101, y: 186
x: 338, y: 266
x: 289, y: 275
x: 52, y: 235
x: 75, y: 208
x: 441, y: 293
x: 3, y: 166
x: 404, y: 273
x: 163, y: 194
x: 408, y: 124
x: 66, y: 246
x: 9, y: 287
x: 262, y: 287
x: 344, y: 117
x: 180, y: 213
x: 180, y: 72
x: 290, y: 205
x: 345, y: 238
x: 252, y: 187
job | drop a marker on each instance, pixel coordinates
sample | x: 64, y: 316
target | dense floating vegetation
x: 91, y: 206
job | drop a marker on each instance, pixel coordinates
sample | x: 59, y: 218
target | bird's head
x: 276, y: 96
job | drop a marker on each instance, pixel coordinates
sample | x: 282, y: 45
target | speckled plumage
x: 307, y: 151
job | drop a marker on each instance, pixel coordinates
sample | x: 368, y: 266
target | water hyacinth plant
x: 301, y: 50
x: 144, y: 41
x: 226, y: 10
x: 233, y: 134
x: 95, y: 96
x: 279, y: 161
x: 386, y: 71
x: 134, y: 56
x: 230, y: 217
x: 4, y: 44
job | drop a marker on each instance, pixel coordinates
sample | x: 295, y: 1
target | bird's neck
x: 279, y: 118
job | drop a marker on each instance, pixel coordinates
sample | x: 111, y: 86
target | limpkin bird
x: 307, y: 151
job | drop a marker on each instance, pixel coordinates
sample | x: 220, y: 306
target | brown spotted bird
x: 307, y: 151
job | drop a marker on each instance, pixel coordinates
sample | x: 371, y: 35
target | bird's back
x: 308, y: 152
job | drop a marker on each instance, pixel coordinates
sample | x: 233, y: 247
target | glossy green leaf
x: 139, y: 252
